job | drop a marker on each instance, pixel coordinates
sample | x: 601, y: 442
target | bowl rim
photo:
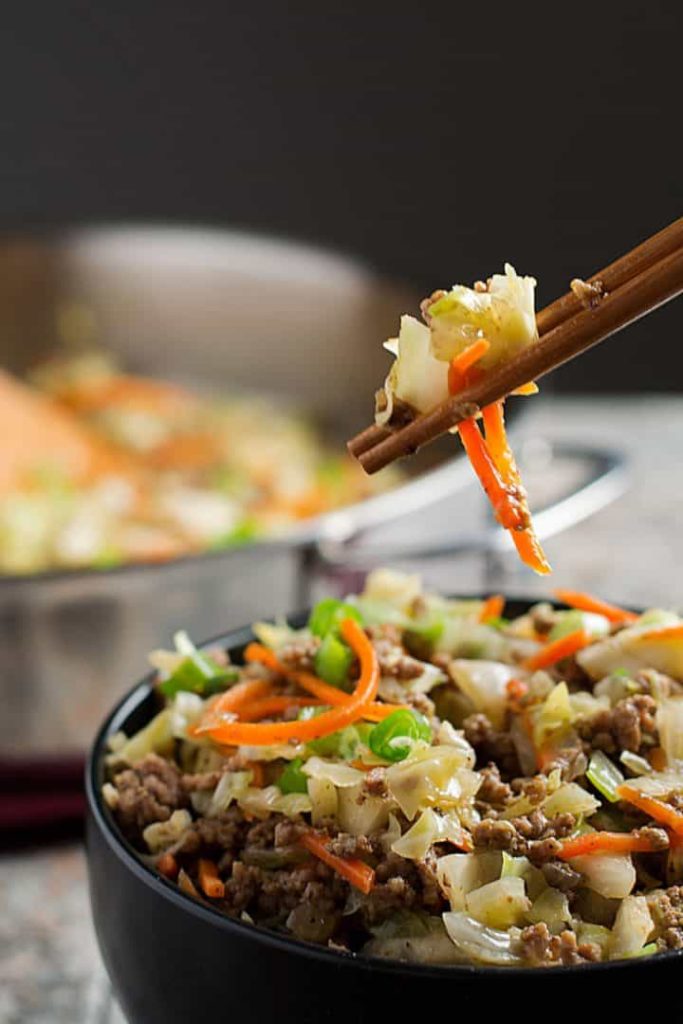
x: 234, y: 641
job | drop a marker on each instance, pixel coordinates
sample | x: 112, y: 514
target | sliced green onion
x: 333, y: 660
x: 393, y: 738
x: 422, y: 635
x: 604, y: 775
x: 197, y: 672
x: 293, y: 779
x: 568, y: 622
x: 328, y: 615
x: 343, y: 744
x: 645, y: 951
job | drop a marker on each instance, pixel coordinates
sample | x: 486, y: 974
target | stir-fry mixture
x: 468, y: 331
x: 413, y: 777
x: 98, y: 468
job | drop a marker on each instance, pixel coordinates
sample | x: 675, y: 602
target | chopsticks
x: 632, y: 286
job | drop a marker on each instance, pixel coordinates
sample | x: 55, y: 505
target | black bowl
x: 172, y: 960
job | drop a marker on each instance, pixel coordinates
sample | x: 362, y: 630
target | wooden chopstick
x: 632, y: 286
x: 616, y: 274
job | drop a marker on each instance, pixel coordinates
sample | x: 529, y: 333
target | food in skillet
x: 467, y: 332
x: 420, y: 778
x: 99, y: 468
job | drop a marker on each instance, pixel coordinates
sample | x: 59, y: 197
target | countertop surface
x: 50, y: 972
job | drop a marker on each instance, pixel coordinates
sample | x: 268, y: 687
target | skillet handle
x: 606, y: 479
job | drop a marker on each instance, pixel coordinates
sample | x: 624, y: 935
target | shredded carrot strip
x: 168, y: 866
x: 462, y: 363
x: 605, y: 842
x: 240, y: 695
x: 658, y: 759
x: 526, y: 389
x: 265, y: 734
x: 357, y: 872
x: 530, y: 551
x: 273, y: 706
x: 587, y: 603
x: 661, y: 633
x: 258, y: 774
x: 557, y: 650
x: 209, y: 881
x: 527, y: 543
x: 663, y: 813
x: 516, y: 689
x: 494, y: 464
x: 362, y: 766
x: 506, y: 506
x: 325, y: 693
x: 492, y: 608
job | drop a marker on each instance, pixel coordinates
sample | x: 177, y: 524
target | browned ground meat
x: 533, y: 835
x: 666, y: 907
x: 394, y: 663
x: 543, y: 617
x: 375, y: 783
x: 534, y: 788
x: 623, y: 726
x: 200, y: 782
x: 402, y: 885
x: 491, y: 745
x: 299, y: 655
x: 493, y: 791
x: 539, y: 947
x: 149, y: 792
x: 561, y: 875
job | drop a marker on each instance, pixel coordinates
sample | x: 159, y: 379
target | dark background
x: 434, y: 141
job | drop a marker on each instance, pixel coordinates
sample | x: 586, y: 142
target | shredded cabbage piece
x: 479, y: 942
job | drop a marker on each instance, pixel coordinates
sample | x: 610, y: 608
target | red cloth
x: 40, y: 794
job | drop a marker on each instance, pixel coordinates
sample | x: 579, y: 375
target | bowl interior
x: 136, y: 709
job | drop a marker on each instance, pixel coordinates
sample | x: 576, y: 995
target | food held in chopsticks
x: 423, y: 778
x: 592, y: 310
x: 100, y: 468
x: 467, y: 332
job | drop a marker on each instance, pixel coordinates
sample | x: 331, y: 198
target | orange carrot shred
x: 494, y: 463
x: 605, y: 842
x: 325, y: 693
x: 506, y: 506
x: 168, y: 866
x: 266, y: 734
x: 516, y: 689
x: 209, y: 881
x: 357, y: 872
x: 240, y: 695
x: 587, y: 603
x: 463, y: 362
x: 492, y: 608
x: 258, y: 774
x: 557, y: 650
x: 273, y: 706
x: 526, y: 389
x: 662, y: 813
x: 527, y: 543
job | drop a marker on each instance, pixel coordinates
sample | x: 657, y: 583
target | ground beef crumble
x: 533, y: 835
x: 147, y: 793
x: 491, y: 745
x: 539, y: 947
x: 622, y: 727
x: 666, y: 907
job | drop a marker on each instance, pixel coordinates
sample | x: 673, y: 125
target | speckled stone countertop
x: 632, y: 551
